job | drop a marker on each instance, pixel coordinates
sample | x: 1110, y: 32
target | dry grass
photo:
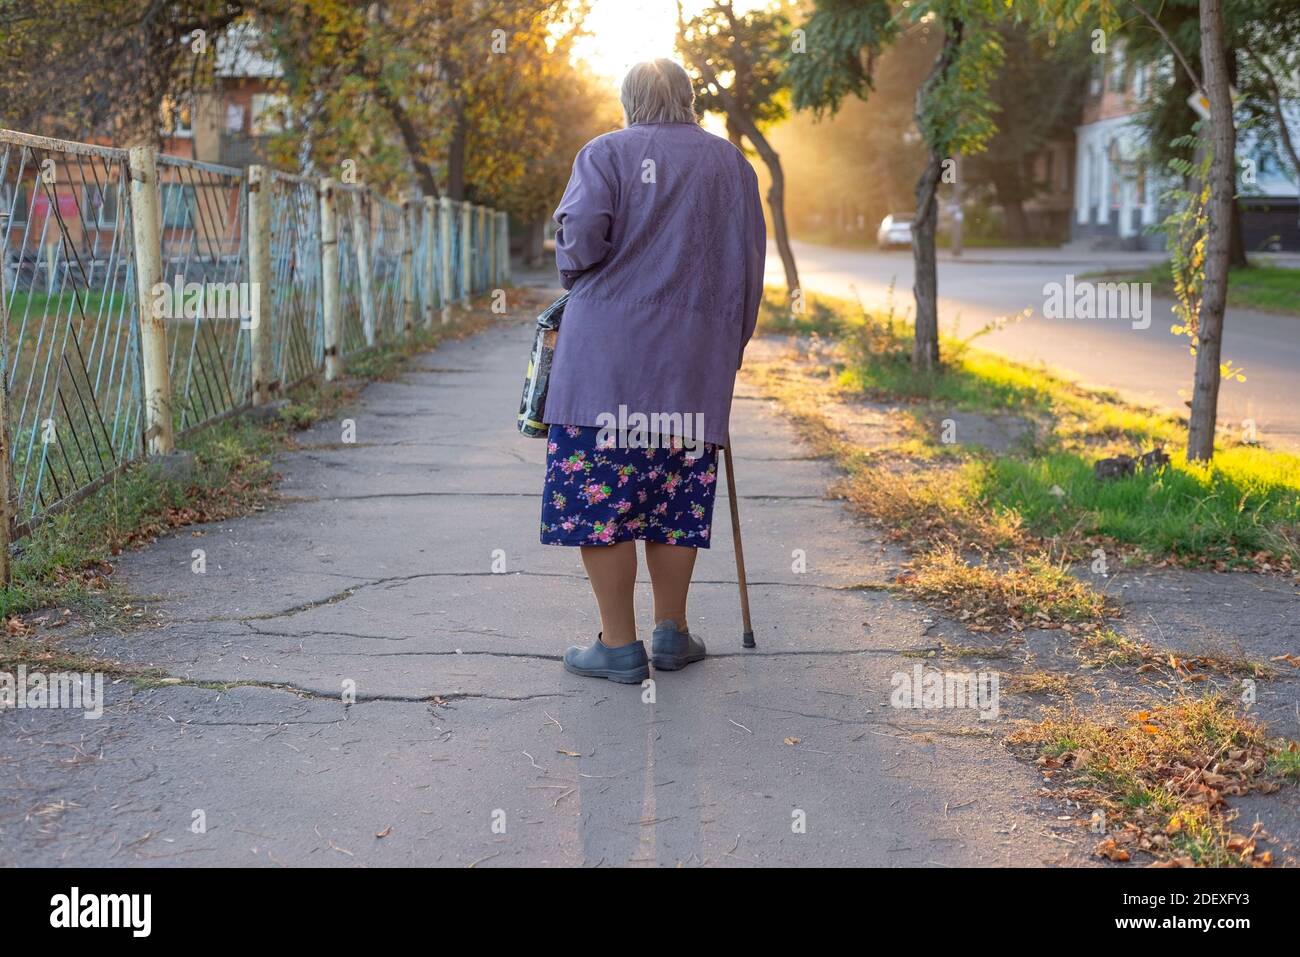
x: 1160, y: 776
x: 47, y: 656
x: 929, y: 507
x: 1038, y: 682
x: 932, y: 508
x: 1034, y: 593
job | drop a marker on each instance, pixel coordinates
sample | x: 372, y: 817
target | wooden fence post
x: 329, y: 259
x: 259, y: 278
x: 490, y: 244
x: 503, y: 245
x: 430, y: 259
x: 146, y: 234
x: 485, y: 245
x: 361, y: 240
x: 444, y: 229
x: 466, y: 234
x: 6, y: 511
x: 407, y: 236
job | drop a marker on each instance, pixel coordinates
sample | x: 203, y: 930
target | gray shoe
x: 671, y: 649
x: 627, y: 665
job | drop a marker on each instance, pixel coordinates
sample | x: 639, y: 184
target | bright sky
x: 624, y: 32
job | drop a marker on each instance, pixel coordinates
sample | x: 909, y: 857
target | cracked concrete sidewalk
x: 377, y: 570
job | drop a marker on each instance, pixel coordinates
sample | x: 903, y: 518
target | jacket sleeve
x: 584, y: 217
x: 755, y: 252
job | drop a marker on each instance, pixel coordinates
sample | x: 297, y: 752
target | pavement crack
x: 321, y: 634
x: 351, y: 590
x: 449, y: 654
x: 333, y: 599
x: 498, y: 697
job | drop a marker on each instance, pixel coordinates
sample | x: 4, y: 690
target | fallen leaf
x: 1110, y: 850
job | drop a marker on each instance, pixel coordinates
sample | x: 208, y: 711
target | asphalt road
x: 1149, y: 365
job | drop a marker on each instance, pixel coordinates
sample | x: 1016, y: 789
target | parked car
x: 895, y: 230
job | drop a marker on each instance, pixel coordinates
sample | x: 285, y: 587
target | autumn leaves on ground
x: 984, y: 473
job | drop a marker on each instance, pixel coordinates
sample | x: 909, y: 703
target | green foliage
x: 842, y: 40
x: 455, y: 96
x: 1187, y: 230
x: 748, y: 46
x: 1242, y: 505
x: 956, y: 114
x: 1267, y: 288
x: 1037, y: 90
x: 1241, y: 510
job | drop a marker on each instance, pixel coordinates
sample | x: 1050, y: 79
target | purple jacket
x: 661, y: 241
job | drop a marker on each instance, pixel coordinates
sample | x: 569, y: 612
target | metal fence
x: 145, y: 295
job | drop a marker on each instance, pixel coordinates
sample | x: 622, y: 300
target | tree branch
x: 1275, y: 95
x: 1169, y: 42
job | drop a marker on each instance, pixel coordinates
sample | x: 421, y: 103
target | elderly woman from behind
x: 661, y: 242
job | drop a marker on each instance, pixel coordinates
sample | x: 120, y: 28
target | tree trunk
x: 1237, y: 242
x: 776, y: 204
x: 412, y: 138
x: 1010, y: 191
x: 740, y: 120
x: 775, y: 200
x: 456, y: 157
x: 413, y: 141
x: 535, y: 243
x: 925, y: 287
x: 1214, y: 295
x: 1017, y: 224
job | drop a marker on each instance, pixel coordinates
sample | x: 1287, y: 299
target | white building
x: 1117, y: 194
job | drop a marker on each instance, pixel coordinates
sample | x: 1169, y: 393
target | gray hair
x: 658, y: 91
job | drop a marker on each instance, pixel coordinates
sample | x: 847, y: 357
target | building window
x: 234, y: 118
x: 1118, y: 71
x: 99, y: 205
x: 14, y: 202
x: 179, y: 207
x: 270, y: 113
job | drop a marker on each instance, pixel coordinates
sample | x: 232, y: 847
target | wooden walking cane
x: 747, y: 639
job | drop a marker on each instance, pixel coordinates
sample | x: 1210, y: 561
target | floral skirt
x: 602, y: 494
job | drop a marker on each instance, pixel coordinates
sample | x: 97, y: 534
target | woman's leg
x: 670, y: 576
x: 612, y: 572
